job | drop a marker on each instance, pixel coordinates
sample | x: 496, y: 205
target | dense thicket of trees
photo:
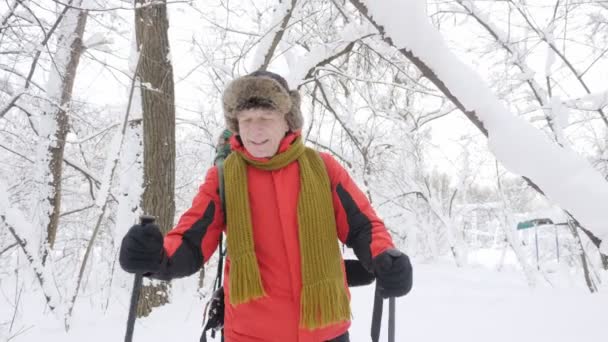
x: 100, y: 121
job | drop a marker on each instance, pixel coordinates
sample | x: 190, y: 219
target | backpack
x: 356, y: 274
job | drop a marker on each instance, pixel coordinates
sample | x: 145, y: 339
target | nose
x: 257, y: 126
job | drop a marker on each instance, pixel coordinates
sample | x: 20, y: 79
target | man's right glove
x: 142, y: 250
x: 393, y: 273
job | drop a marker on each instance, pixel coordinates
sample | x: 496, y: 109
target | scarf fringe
x: 323, y: 304
x: 245, y: 280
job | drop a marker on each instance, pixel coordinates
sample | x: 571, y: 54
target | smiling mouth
x: 258, y: 143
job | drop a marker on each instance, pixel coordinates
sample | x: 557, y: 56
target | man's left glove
x: 393, y: 273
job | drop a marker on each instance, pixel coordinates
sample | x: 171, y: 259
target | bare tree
x: 541, y: 95
x: 70, y: 47
x: 158, y: 105
x: 428, y: 72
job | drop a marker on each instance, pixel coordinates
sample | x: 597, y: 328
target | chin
x: 261, y: 154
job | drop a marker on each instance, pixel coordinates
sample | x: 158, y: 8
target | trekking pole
x: 143, y: 220
x: 391, y: 319
x: 377, y: 316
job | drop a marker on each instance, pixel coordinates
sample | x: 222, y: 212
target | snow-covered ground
x: 470, y: 304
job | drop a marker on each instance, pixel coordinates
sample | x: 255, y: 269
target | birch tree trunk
x: 158, y: 106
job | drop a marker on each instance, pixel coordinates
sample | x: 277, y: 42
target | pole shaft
x: 391, y: 319
x: 133, y: 307
x: 556, y: 244
x: 536, y: 243
x: 376, y: 316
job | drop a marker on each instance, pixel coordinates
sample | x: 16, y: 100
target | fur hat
x: 266, y: 88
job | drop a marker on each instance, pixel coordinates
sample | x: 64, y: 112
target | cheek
x: 280, y: 130
x: 248, y: 129
x: 283, y: 127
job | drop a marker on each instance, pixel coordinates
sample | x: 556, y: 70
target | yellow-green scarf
x: 324, y: 300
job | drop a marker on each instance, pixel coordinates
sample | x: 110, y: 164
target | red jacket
x: 273, y: 199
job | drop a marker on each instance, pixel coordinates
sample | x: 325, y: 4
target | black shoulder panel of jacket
x: 359, y: 228
x: 188, y: 257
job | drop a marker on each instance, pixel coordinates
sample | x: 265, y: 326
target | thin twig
x: 23, y: 244
x: 106, y: 200
x: 8, y: 248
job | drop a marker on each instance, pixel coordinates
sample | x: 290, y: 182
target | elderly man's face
x: 262, y: 130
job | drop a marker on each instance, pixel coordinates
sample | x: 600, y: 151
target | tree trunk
x: 581, y: 252
x: 596, y: 242
x: 70, y: 41
x: 158, y: 106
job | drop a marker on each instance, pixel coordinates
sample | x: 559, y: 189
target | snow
x: 591, y: 101
x: 473, y: 303
x: 564, y: 176
x: 300, y: 67
x: 99, y: 41
x: 108, y: 173
x: 280, y: 12
x: 130, y: 188
x: 458, y: 304
x: 604, y: 247
x: 46, y: 124
x: 551, y: 56
x: 559, y: 114
x: 149, y: 86
x: 15, y: 219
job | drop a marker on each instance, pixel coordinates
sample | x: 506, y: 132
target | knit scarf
x: 324, y: 300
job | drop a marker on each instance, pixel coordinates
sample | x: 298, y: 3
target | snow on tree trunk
x: 102, y: 200
x: 561, y: 174
x: 59, y: 90
x: 131, y: 164
x: 131, y: 157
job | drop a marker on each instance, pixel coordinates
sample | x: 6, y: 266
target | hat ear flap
x: 294, y: 117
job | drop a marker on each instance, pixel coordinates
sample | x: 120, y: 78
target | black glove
x: 215, y: 320
x: 142, y: 249
x: 356, y: 274
x: 393, y: 273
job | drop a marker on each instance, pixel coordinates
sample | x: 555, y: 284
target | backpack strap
x: 222, y: 151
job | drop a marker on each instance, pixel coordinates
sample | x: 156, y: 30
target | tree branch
x: 278, y: 36
x: 37, y: 271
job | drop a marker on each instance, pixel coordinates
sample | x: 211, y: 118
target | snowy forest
x: 478, y: 129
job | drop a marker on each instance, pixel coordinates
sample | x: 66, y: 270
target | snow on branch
x: 13, y: 219
x: 270, y: 41
x: 104, y: 195
x: 547, y: 37
x: 560, y: 173
x: 323, y: 54
x: 593, y: 101
x: 517, y: 56
x: 554, y: 111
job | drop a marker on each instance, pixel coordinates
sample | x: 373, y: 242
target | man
x: 286, y: 208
